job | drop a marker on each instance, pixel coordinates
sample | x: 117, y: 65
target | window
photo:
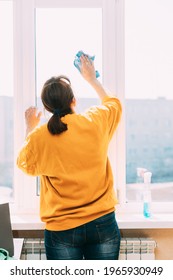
x: 132, y: 41
x: 48, y: 34
x: 56, y: 49
x: 148, y: 71
x: 57, y: 42
x: 6, y: 100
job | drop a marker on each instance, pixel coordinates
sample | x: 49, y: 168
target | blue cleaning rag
x: 77, y: 62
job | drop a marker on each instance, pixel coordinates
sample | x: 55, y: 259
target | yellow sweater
x: 75, y: 173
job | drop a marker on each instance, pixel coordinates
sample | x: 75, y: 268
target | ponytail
x: 57, y: 96
x: 56, y: 126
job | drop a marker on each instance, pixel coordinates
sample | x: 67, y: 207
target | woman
x: 69, y: 153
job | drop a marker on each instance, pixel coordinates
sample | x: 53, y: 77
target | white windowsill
x: 138, y: 221
x: 125, y: 221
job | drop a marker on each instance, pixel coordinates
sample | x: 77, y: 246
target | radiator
x: 33, y: 249
x: 130, y: 249
x: 137, y: 249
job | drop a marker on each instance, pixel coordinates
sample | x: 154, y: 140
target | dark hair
x: 57, y: 96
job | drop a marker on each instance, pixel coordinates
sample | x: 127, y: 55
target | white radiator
x: 33, y: 249
x: 137, y: 249
x: 130, y: 249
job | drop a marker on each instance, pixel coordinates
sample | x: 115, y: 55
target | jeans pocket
x: 108, y: 230
x: 65, y: 237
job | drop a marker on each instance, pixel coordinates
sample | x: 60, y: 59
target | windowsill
x: 138, y: 221
x: 125, y: 221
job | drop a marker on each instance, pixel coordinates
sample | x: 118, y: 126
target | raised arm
x: 88, y: 73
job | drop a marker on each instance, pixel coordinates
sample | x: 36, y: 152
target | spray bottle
x: 147, y: 195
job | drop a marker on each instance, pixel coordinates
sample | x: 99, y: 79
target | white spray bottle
x: 147, y: 195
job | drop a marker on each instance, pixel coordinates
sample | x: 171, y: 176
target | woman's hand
x: 88, y: 73
x: 87, y: 69
x: 32, y: 118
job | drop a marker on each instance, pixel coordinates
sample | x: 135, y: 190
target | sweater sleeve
x: 107, y: 115
x: 27, y: 157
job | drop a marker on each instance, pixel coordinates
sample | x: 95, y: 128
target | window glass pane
x: 60, y: 34
x: 6, y: 100
x: 149, y: 96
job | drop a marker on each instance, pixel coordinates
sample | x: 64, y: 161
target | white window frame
x: 113, y: 47
x: 26, y: 200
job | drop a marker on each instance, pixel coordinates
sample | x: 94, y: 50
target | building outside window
x: 149, y: 99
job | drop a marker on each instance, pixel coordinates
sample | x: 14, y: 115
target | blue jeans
x: 96, y: 240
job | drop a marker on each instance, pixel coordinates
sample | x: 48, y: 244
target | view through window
x: 6, y: 100
x: 60, y: 34
x: 149, y: 96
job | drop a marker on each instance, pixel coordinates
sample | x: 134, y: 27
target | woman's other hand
x: 32, y: 118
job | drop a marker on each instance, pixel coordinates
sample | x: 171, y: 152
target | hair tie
x: 57, y: 112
